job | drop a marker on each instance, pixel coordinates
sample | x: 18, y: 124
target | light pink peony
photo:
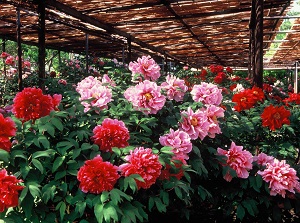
x: 262, y: 159
x: 281, y: 178
x: 145, y: 97
x: 174, y: 87
x: 92, y: 88
x: 180, y: 141
x: 107, y: 80
x: 207, y: 93
x: 194, y: 123
x: 143, y: 162
x: 144, y: 68
x: 238, y: 159
x: 213, y: 113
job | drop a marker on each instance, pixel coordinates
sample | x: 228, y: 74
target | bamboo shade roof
x: 194, y: 32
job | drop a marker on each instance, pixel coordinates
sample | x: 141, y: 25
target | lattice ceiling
x: 195, y: 32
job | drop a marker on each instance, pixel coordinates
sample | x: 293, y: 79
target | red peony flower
x: 173, y: 170
x: 5, y: 143
x: 244, y: 100
x: 275, y: 117
x: 229, y: 70
x: 7, y: 127
x: 293, y: 98
x: 268, y: 88
x: 258, y: 94
x: 112, y: 133
x: 96, y: 176
x: 9, y: 190
x: 32, y: 104
x: 143, y: 162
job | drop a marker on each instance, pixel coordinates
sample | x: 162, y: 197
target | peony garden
x: 190, y: 145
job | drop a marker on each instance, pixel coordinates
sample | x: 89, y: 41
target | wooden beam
x: 87, y: 53
x: 19, y: 49
x: 41, y: 44
x: 3, y: 50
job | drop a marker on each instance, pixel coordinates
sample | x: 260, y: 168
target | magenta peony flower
x: 96, y: 176
x: 9, y: 190
x: 143, y: 162
x: 262, y: 159
x: 207, y: 93
x: 238, y: 159
x: 112, y: 133
x: 213, y: 112
x: 194, y: 123
x: 144, y: 69
x: 281, y: 178
x: 179, y: 140
x: 174, y: 87
x: 92, y: 88
x: 146, y: 97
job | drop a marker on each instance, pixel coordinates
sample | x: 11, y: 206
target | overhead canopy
x: 195, y: 32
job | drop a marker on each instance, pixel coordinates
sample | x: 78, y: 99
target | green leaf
x: 64, y: 146
x: 104, y: 196
x: 44, y: 141
x: 60, y: 174
x: 98, y: 210
x: 38, y: 165
x: 23, y: 194
x: 18, y: 153
x: 4, y: 155
x: 110, y: 212
x: 57, y: 123
x: 80, y: 207
x: 57, y: 163
x: 76, y: 153
x: 62, y: 211
x: 34, y: 190
x: 40, y: 154
x: 178, y: 192
x: 240, y: 212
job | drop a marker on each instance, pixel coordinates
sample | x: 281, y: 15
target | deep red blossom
x: 7, y: 127
x: 258, y: 94
x: 96, y: 176
x: 174, y: 169
x: 9, y: 190
x: 267, y: 88
x: 233, y: 86
x: 143, y: 162
x: 275, y: 116
x: 216, y: 68
x: 112, y: 133
x: 293, y: 98
x: 229, y: 70
x: 5, y: 143
x: 244, y: 100
x: 32, y: 104
x: 221, y: 76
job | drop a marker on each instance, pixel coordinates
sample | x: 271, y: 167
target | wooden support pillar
x: 166, y: 65
x: 42, y: 44
x: 3, y: 50
x: 128, y: 50
x: 19, y: 49
x: 123, y: 55
x: 87, y: 53
x: 258, y: 44
x: 296, y: 78
x: 59, y: 58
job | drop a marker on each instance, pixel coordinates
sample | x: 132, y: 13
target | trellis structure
x: 198, y: 33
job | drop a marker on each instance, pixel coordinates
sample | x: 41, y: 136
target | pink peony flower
x: 10, y: 60
x: 179, y: 140
x: 112, y: 133
x: 213, y: 112
x: 62, y: 81
x: 174, y: 87
x: 262, y: 159
x: 144, y: 69
x: 56, y: 99
x: 145, y: 97
x: 92, y: 88
x: 194, y: 123
x: 26, y: 63
x: 281, y: 178
x: 237, y: 159
x: 106, y: 79
x: 207, y: 93
x: 96, y: 176
x: 143, y: 162
x: 4, y: 55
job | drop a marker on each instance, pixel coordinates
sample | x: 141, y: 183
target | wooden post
x: 19, y: 49
x: 166, y: 65
x: 59, y: 58
x: 3, y: 50
x: 123, y: 55
x: 296, y: 78
x: 42, y: 45
x: 129, y: 50
x: 258, y: 45
x: 87, y: 52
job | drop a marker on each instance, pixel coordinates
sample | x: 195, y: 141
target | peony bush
x: 129, y: 144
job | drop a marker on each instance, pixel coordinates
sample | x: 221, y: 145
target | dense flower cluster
x: 7, y: 130
x: 92, y: 89
x: 9, y: 190
x: 32, y: 104
x: 143, y: 162
x: 207, y: 93
x: 146, y: 97
x: 281, y: 178
x: 275, y: 116
x: 145, y: 68
x: 238, y: 159
x: 96, y: 176
x: 112, y: 133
